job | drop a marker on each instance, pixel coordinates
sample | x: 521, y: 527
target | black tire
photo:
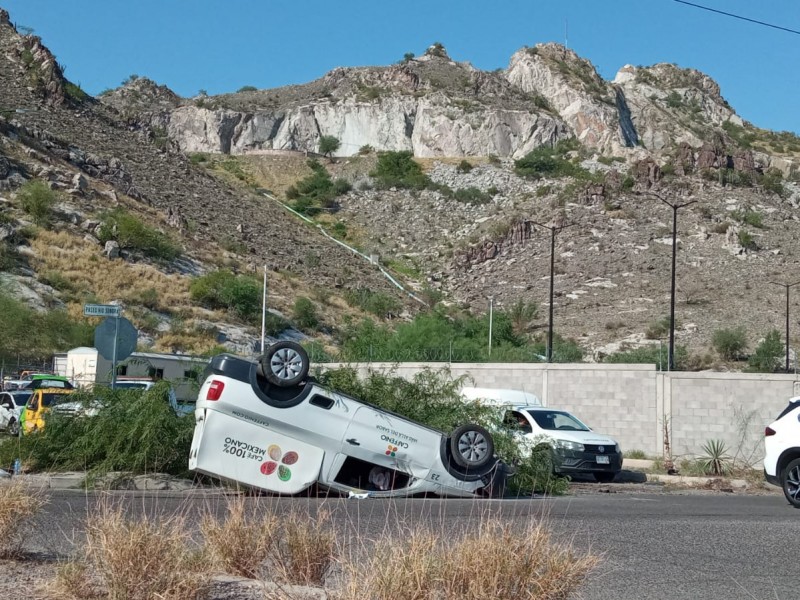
x: 13, y: 427
x: 604, y: 476
x: 285, y: 364
x: 471, y: 447
x: 790, y: 482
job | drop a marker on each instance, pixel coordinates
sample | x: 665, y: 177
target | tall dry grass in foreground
x: 496, y: 562
x: 143, y: 559
x: 18, y: 503
x: 241, y: 543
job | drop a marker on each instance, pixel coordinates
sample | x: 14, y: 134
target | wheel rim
x: 793, y: 483
x: 473, y: 446
x: 286, y: 364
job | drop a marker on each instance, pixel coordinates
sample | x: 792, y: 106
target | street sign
x: 126, y: 338
x: 101, y: 310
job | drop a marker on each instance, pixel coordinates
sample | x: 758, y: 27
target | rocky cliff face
x: 433, y: 106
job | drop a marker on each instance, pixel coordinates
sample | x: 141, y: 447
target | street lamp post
x: 787, y: 286
x: 674, y: 206
x: 553, y: 231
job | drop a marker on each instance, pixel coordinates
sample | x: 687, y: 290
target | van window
x: 516, y: 421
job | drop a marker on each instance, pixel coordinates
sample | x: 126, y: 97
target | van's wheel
x: 13, y: 427
x: 285, y: 364
x: 471, y: 447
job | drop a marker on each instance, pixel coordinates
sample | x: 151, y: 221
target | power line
x: 727, y: 14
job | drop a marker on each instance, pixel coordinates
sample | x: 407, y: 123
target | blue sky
x: 220, y: 46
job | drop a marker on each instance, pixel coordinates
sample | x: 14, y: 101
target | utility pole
x: 554, y: 229
x: 787, y: 286
x: 264, y: 311
x: 674, y: 206
x: 491, y: 307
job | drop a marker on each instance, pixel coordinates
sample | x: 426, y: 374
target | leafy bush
x: 656, y: 355
x: 328, y: 144
x: 767, y: 356
x: 132, y: 431
x: 472, y: 195
x: 398, y: 169
x: 729, y: 342
x: 550, y: 162
x: 37, y: 336
x: 238, y: 294
x: 366, y: 149
x: 247, y: 88
x: 317, y: 191
x: 750, y: 217
x: 464, y: 166
x: 305, y: 313
x: 377, y: 303
x: 37, y: 199
x: 746, y: 240
x: 658, y: 329
x: 131, y: 233
x: 74, y: 92
x: 674, y: 100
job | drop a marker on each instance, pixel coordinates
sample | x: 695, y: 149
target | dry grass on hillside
x: 82, y: 265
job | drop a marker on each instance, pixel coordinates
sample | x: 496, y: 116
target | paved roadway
x: 655, y: 546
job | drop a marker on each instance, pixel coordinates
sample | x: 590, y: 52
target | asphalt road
x: 654, y: 546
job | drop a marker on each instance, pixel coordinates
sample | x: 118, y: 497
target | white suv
x: 268, y: 425
x: 782, y: 457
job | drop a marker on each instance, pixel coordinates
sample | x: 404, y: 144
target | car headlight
x: 568, y: 445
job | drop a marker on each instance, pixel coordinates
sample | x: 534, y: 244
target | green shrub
x: 132, y: 234
x: 658, y: 329
x: 247, y: 88
x: 376, y: 303
x: 305, y: 313
x: 767, y: 356
x: 674, y: 100
x: 35, y: 336
x: 74, y: 92
x: 398, y: 169
x: 464, y: 166
x: 37, y: 199
x: 746, y: 240
x: 656, y: 355
x: 551, y: 162
x: 472, y: 195
x: 366, y: 149
x: 729, y: 342
x: 133, y: 432
x: 197, y: 157
x: 328, y: 144
x: 238, y: 294
x: 317, y: 191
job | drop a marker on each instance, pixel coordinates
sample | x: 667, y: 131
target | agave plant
x: 715, y: 461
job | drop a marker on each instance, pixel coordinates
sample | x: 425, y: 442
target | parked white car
x: 576, y: 448
x: 782, y: 451
x: 11, y: 405
x: 268, y: 425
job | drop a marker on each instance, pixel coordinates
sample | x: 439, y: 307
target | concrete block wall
x: 633, y: 402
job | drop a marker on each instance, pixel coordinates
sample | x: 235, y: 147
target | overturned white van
x: 268, y: 425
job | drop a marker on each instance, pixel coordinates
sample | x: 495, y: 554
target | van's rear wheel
x: 285, y: 364
x: 471, y: 447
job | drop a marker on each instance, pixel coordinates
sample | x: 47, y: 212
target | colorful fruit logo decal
x: 390, y: 451
x: 276, y: 454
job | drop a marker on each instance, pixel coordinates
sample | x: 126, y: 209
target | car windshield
x: 557, y: 419
x: 54, y: 398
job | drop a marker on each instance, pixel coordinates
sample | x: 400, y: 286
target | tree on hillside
x: 328, y: 144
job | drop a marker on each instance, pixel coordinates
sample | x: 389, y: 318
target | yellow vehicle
x: 39, y: 404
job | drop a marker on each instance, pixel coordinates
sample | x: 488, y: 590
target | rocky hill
x: 198, y: 168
